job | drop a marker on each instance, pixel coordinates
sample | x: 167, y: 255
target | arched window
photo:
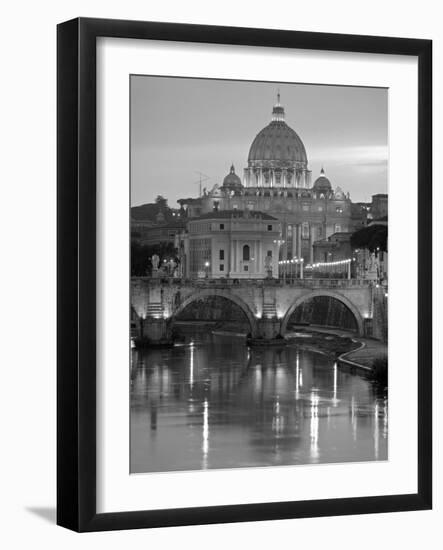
x: 246, y: 253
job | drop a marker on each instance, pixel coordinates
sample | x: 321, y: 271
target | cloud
x: 359, y: 154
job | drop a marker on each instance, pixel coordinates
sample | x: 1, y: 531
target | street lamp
x: 207, y: 269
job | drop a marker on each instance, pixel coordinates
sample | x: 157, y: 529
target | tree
x: 150, y: 211
x: 374, y: 237
x: 141, y: 256
x: 161, y: 202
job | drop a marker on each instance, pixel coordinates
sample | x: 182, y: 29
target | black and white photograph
x: 221, y: 275
x: 259, y: 274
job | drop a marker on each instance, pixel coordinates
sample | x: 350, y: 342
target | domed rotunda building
x: 277, y: 182
x: 232, y: 182
x: 322, y: 184
x: 277, y: 157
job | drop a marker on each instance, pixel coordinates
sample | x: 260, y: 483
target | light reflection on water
x: 212, y: 403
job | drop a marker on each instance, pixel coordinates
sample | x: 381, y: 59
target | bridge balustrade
x: 224, y: 283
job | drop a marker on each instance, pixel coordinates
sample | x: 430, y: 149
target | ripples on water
x: 213, y: 403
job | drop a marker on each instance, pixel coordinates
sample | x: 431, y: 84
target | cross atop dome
x: 278, y: 112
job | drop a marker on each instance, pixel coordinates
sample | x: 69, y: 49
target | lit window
x: 337, y: 228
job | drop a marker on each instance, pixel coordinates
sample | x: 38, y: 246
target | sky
x: 183, y: 126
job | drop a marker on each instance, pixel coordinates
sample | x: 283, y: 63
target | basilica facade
x: 277, y: 182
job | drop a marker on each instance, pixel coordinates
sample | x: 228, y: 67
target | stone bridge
x: 268, y: 303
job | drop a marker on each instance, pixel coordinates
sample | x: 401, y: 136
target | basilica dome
x: 277, y: 142
x: 322, y: 184
x: 232, y: 181
x: 277, y: 157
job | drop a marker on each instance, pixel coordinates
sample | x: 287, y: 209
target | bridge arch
x: 204, y: 293
x: 340, y: 297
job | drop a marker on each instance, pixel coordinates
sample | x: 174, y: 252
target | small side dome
x: 322, y: 184
x: 232, y: 181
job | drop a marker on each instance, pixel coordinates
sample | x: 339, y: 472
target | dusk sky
x: 181, y: 126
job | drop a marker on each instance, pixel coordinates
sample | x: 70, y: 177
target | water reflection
x: 213, y: 403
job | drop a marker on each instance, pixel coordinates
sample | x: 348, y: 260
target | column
x: 294, y: 240
x: 232, y: 253
x: 229, y: 256
x: 260, y: 263
x: 311, y: 249
x: 299, y: 240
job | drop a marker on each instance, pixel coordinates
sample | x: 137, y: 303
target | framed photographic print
x: 244, y: 274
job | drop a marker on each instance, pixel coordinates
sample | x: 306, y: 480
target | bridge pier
x: 269, y: 329
x: 154, y: 332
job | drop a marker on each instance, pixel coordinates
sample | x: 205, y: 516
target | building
x: 335, y: 248
x: 277, y: 182
x: 311, y: 222
x: 363, y: 212
x: 359, y: 215
x: 379, y: 206
x: 139, y: 228
x: 231, y: 244
x: 379, y: 221
x: 156, y: 234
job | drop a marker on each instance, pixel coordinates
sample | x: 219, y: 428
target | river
x: 211, y: 402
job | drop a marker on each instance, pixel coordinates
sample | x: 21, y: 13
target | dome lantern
x: 278, y: 112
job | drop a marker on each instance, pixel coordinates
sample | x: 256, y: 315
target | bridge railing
x: 228, y: 283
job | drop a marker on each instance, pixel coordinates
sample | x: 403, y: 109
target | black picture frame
x: 76, y: 265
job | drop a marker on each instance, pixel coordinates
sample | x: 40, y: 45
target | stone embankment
x: 350, y: 350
